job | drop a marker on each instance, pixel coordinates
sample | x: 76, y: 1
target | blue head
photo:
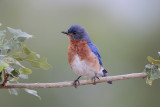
x: 77, y: 32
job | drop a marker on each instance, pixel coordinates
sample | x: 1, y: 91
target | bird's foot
x: 76, y: 82
x: 94, y: 79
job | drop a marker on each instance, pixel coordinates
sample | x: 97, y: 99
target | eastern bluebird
x: 83, y: 55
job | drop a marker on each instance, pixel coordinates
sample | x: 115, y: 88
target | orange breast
x: 80, y: 48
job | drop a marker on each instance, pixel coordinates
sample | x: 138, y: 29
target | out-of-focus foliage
x: 13, y: 51
x: 153, y: 69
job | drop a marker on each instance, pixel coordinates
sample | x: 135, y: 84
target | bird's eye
x: 74, y: 32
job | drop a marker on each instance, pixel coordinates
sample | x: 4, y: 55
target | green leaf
x: 23, y: 76
x: 40, y: 63
x: 0, y: 76
x: 151, y: 60
x: 34, y: 63
x: 148, y: 71
x: 19, y: 35
x: 1, y: 68
x: 44, y: 64
x: 152, y: 72
x: 9, y: 69
x: 155, y: 73
x: 2, y: 35
x: 12, y: 61
x: 26, y: 50
x: 25, y: 71
x: 3, y: 63
x: 9, y: 59
x: 149, y: 81
x: 17, y: 56
x: 15, y: 73
x: 11, y: 44
x: 33, y: 58
x: 33, y: 92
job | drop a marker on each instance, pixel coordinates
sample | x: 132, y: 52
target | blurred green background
x: 126, y: 32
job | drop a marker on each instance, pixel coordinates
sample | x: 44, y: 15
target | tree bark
x: 70, y: 83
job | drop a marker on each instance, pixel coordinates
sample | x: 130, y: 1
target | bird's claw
x: 76, y: 83
x: 94, y: 79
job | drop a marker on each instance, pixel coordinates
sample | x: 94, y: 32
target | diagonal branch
x: 70, y: 83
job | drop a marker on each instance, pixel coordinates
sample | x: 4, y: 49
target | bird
x: 83, y: 55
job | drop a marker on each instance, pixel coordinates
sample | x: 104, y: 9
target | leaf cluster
x: 153, y: 69
x: 13, y: 52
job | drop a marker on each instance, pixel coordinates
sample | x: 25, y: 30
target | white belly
x: 83, y: 69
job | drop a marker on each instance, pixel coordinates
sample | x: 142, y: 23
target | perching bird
x: 83, y: 55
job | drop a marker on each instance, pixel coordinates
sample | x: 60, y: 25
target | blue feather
x: 94, y: 49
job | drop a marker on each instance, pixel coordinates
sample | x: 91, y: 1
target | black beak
x: 69, y: 34
x: 64, y: 32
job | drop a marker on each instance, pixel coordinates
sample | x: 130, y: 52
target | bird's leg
x: 76, y: 82
x: 94, y: 79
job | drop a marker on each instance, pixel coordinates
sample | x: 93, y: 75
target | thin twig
x: 70, y: 83
x: 5, y: 78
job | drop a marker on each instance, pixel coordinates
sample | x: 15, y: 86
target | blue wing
x: 94, y: 49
